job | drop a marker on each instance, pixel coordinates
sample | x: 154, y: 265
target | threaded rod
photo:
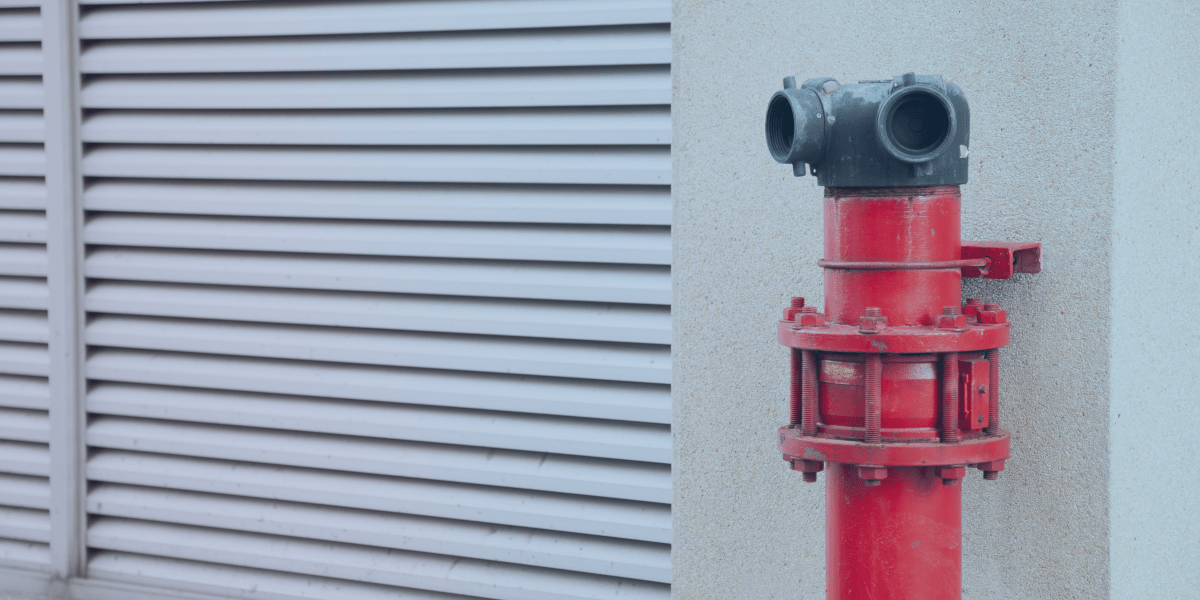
x: 873, y: 407
x: 808, y: 393
x: 795, y: 401
x: 993, y: 357
x: 950, y: 433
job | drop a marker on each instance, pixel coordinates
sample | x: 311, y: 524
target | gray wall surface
x: 1041, y: 79
x: 1154, y: 488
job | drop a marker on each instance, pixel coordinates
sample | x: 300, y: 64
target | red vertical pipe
x: 892, y: 225
x: 899, y: 540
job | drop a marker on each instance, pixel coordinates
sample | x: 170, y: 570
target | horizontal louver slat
x: 24, y: 359
x: 23, y: 292
x: 332, y: 18
x: 360, y: 563
x: 536, y: 470
x: 25, y: 492
x: 20, y: 58
x: 24, y: 524
x: 555, y: 396
x: 24, y: 425
x: 23, y: 226
x: 576, y: 320
x: 535, y: 164
x: 22, y: 159
x: 238, y: 582
x: 641, y: 284
x: 625, y: 126
x: 20, y: 25
x: 477, y: 50
x: 555, y: 358
x: 643, y: 521
x: 618, y: 205
x: 19, y: 458
x: 24, y: 126
x: 596, y: 86
x: 628, y: 245
x: 21, y: 92
x: 589, y: 554
x: 17, y: 193
x: 24, y: 392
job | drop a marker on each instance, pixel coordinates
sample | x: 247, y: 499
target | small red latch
x: 973, y: 388
x: 1005, y: 258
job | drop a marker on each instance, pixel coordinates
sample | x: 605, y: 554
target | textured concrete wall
x: 1155, y: 484
x: 1040, y: 77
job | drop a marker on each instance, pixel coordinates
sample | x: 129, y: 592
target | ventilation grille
x: 378, y: 298
x: 24, y: 359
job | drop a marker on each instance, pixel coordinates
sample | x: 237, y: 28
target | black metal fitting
x: 912, y: 130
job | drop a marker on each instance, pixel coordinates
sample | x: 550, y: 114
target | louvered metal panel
x: 378, y: 297
x: 24, y: 331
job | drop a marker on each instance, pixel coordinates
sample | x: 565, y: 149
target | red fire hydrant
x: 894, y: 389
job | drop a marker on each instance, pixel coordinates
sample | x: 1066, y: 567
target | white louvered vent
x: 24, y: 332
x: 378, y: 297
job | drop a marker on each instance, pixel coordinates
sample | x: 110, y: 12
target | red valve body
x: 904, y: 398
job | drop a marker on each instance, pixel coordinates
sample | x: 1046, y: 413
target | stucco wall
x: 1040, y: 79
x: 1155, y: 364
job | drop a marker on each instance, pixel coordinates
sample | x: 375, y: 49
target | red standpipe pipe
x: 895, y: 390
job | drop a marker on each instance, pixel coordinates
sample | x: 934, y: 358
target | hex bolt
x: 991, y: 306
x: 808, y: 392
x: 952, y: 474
x: 872, y: 475
x: 873, y: 322
x: 809, y: 469
x: 950, y: 434
x: 808, y: 310
x: 991, y: 475
x: 873, y: 409
x: 797, y: 302
x: 950, y: 310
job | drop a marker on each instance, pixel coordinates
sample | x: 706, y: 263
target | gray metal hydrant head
x: 912, y: 130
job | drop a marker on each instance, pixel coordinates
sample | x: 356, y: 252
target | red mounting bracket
x: 1004, y: 259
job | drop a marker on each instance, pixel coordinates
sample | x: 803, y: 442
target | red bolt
x: 952, y: 474
x: 873, y: 322
x: 809, y: 468
x: 991, y: 313
x: 797, y: 302
x: 872, y: 474
x: 991, y: 470
x: 971, y: 309
x: 809, y: 317
x: 951, y: 318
